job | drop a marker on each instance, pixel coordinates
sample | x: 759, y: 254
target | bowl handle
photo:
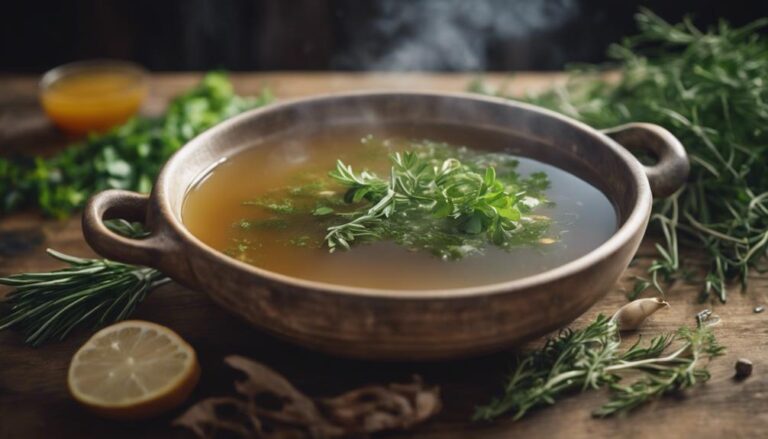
x: 671, y: 171
x: 130, y: 206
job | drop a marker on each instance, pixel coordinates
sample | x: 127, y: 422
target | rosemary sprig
x: 708, y: 87
x: 47, y: 306
x: 590, y: 358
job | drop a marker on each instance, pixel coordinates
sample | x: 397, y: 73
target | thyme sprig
x: 709, y: 88
x: 590, y: 358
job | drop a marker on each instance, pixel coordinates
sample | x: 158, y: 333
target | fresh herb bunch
x: 440, y: 198
x: 475, y: 202
x: 709, y: 88
x: 590, y: 358
x: 89, y: 293
x: 128, y: 157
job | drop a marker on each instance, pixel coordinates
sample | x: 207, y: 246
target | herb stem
x: 648, y: 361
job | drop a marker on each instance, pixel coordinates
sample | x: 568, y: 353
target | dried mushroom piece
x: 272, y: 408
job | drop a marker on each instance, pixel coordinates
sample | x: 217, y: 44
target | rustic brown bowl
x: 401, y: 325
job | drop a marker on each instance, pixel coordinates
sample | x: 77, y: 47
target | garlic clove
x: 630, y: 316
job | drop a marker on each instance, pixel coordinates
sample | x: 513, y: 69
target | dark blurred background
x: 442, y: 35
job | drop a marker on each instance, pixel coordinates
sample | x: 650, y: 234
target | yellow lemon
x: 133, y: 370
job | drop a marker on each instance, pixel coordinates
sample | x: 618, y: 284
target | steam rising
x: 449, y: 34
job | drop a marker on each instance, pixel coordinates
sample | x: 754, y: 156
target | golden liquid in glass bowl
x: 92, y: 97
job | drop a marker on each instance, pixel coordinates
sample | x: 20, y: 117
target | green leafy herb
x: 448, y: 200
x: 590, y: 358
x: 90, y: 292
x: 129, y: 157
x: 466, y: 200
x: 709, y: 88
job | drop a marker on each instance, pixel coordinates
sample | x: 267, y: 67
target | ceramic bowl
x: 401, y: 325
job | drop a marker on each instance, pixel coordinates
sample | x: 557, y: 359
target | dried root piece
x: 227, y: 416
x: 272, y: 408
x: 377, y: 408
x: 633, y: 314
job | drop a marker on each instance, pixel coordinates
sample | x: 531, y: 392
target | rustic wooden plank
x: 33, y: 396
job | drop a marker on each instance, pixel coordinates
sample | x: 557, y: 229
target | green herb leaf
x: 467, y: 197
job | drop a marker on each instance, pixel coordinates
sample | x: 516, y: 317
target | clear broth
x: 582, y: 216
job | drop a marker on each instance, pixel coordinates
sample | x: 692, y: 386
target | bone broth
x: 396, y: 207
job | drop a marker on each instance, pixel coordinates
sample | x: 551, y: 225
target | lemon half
x: 133, y: 370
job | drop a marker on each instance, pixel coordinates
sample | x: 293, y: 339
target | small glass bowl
x: 93, y: 96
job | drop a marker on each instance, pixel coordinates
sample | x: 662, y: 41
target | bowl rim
x: 636, y: 220
x: 55, y: 74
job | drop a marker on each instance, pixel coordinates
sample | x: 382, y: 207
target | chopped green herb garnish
x: 239, y: 249
x: 301, y: 241
x: 309, y: 189
x: 265, y: 223
x: 278, y: 206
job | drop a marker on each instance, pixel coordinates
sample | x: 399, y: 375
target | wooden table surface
x: 33, y: 397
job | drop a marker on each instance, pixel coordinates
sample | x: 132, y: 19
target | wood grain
x: 34, y: 401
